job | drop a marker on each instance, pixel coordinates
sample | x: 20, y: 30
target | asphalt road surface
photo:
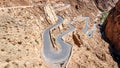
x: 49, y: 54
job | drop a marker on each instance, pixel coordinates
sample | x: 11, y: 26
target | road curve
x: 49, y: 54
x: 90, y: 34
x: 86, y: 25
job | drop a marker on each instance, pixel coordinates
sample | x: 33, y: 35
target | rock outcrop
x: 50, y: 13
x: 112, y: 28
x: 105, y: 5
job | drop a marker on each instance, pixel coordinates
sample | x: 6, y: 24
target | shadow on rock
x: 112, y: 50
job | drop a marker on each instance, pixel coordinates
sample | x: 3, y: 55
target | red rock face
x: 112, y: 28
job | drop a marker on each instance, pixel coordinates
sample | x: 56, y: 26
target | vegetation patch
x: 104, y: 16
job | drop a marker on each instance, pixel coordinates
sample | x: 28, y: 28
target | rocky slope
x: 21, y: 32
x: 105, y: 5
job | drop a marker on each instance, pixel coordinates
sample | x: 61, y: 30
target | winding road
x: 84, y: 30
x: 86, y: 25
x: 49, y: 54
x: 90, y: 34
x: 60, y: 56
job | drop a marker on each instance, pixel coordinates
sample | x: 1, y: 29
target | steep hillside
x: 22, y: 23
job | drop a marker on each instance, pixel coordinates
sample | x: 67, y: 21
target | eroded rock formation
x: 105, y: 5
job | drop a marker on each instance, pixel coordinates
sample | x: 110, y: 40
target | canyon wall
x: 112, y: 28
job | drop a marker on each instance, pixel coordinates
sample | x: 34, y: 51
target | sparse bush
x: 104, y: 16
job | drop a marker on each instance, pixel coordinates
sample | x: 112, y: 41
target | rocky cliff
x: 112, y: 28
